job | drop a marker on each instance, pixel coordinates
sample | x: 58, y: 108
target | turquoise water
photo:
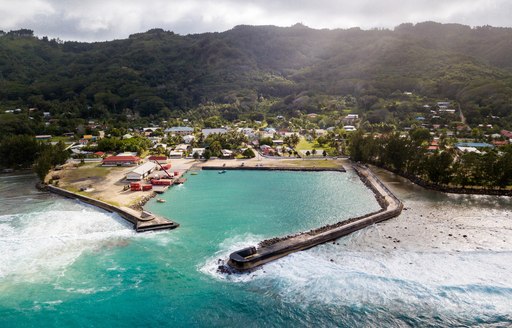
x: 66, y: 264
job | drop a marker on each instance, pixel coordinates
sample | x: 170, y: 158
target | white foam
x: 40, y: 245
x: 390, y: 279
x: 210, y: 266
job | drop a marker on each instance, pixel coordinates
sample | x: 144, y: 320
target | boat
x: 223, y: 171
x: 193, y: 173
x: 160, y: 200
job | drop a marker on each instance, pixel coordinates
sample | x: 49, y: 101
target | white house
x: 199, y: 151
x: 141, y: 172
x: 207, y: 132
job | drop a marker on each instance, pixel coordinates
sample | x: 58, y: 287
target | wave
x: 38, y: 245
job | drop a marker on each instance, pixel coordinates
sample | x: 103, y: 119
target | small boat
x: 223, y: 171
x: 160, y: 200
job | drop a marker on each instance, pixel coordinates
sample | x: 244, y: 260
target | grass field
x: 307, y: 145
x: 314, y: 163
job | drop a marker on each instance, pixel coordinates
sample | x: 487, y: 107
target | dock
x: 273, y: 249
x: 142, y: 221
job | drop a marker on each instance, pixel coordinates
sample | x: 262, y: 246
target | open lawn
x: 307, y: 145
x: 324, y: 163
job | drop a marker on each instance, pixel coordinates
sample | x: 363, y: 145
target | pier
x: 142, y: 221
x: 273, y: 249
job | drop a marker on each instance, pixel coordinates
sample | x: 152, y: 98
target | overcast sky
x: 99, y: 20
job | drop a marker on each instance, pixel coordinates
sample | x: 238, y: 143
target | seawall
x: 140, y: 221
x: 273, y: 168
x: 275, y: 248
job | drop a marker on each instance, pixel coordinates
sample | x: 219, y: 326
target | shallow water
x: 66, y: 264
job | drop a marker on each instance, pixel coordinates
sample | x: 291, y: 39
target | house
x: 141, y: 172
x: 499, y: 143
x: 127, y: 136
x: 474, y: 145
x: 506, y: 134
x: 207, y: 132
x: 468, y: 149
x: 180, y: 130
x: 158, y: 159
x: 349, y: 128
x: 226, y: 153
x: 188, y: 139
x: 181, y: 147
x: 266, y: 149
x: 43, y: 137
x: 350, y: 119
x: 120, y: 161
x: 128, y: 153
x: 199, y: 151
x: 175, y: 154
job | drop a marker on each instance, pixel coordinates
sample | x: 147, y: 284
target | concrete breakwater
x: 272, y: 249
x: 274, y: 168
x: 142, y: 221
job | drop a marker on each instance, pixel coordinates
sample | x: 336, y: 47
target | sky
x: 100, y: 20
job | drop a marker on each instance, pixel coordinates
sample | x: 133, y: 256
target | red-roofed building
x: 506, y: 134
x: 158, y: 159
x: 121, y: 161
x: 500, y: 142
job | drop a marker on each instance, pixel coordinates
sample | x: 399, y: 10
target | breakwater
x: 141, y: 220
x: 272, y: 249
x: 275, y: 168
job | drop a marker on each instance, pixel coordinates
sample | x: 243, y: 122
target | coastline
x: 141, y: 220
x: 451, y: 190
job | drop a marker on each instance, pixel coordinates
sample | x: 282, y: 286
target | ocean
x: 64, y: 263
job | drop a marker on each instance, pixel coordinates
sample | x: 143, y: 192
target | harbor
x: 273, y: 249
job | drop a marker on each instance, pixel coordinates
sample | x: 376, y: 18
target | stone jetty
x: 275, y: 248
x: 141, y: 220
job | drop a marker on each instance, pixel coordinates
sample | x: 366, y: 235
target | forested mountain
x: 165, y: 74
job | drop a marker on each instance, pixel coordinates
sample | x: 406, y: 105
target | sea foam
x: 39, y: 245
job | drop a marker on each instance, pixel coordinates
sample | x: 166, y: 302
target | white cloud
x: 109, y: 19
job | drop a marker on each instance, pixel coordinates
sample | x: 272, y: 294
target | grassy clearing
x: 307, y: 145
x: 313, y: 163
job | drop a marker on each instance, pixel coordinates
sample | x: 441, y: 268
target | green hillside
x: 300, y: 69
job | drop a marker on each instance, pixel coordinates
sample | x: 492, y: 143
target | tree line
x: 446, y: 166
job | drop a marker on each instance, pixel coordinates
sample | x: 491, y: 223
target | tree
x: 216, y: 148
x: 248, y: 153
x: 43, y: 165
x: 313, y: 152
x: 308, y: 153
x: 324, y: 153
x: 196, y: 155
x: 207, y: 154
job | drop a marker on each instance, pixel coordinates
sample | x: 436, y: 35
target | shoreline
x: 142, y: 221
x: 449, y: 190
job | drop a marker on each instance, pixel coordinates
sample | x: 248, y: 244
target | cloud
x: 96, y: 20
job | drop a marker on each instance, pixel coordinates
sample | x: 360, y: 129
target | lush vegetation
x: 408, y: 155
x: 255, y: 73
